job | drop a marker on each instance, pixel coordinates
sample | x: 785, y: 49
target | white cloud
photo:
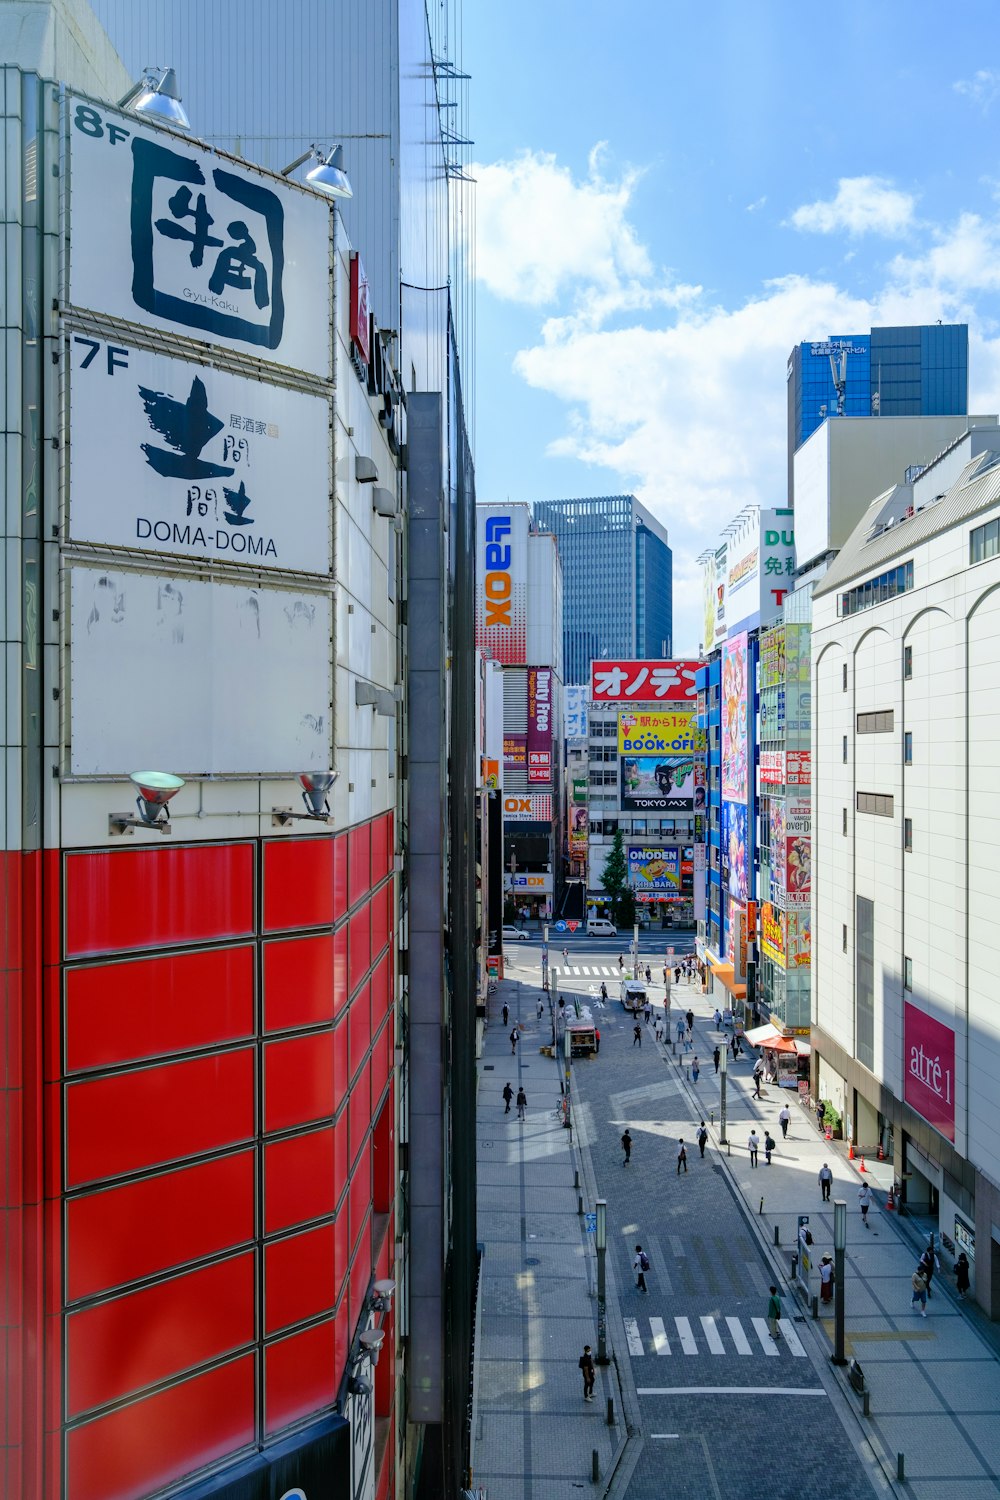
x: 981, y: 89
x: 863, y: 205
x: 757, y: 205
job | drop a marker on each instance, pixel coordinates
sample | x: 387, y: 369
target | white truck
x: 633, y: 994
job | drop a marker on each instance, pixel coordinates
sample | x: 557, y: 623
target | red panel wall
x: 298, y: 1080
x: 361, y: 945
x: 299, y: 1278
x: 155, y: 898
x: 185, y: 1322
x: 298, y: 982
x: 150, y: 1116
x: 359, y: 874
x: 298, y: 1180
x: 122, y: 1012
x: 298, y: 883
x: 301, y: 1374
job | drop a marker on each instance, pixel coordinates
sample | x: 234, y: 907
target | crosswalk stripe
x: 739, y: 1338
x: 792, y: 1339
x: 687, y: 1338
x: 632, y: 1336
x: 764, y: 1334
x: 660, y: 1341
x: 712, y: 1335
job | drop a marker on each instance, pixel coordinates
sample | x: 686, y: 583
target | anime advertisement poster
x: 734, y: 719
x: 772, y: 932
x: 654, y: 870
x: 734, y: 835
x: 708, y: 586
x: 798, y: 870
x: 799, y: 939
x: 776, y: 841
x: 661, y: 761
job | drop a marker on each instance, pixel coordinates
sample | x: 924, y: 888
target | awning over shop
x: 770, y: 1037
x: 724, y: 973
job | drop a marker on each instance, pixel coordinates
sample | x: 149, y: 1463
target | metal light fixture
x: 157, y: 95
x: 371, y: 1341
x: 315, y: 794
x: 382, y: 1294
x: 155, y: 790
x: 328, y: 176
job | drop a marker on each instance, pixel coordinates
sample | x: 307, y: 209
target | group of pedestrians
x: 522, y: 1101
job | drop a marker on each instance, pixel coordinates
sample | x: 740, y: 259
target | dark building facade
x: 617, y: 580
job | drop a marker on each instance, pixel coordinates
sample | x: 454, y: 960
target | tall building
x: 240, y: 510
x: 617, y: 580
x: 887, y: 372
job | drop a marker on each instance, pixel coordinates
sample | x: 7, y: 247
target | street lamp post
x: 723, y: 1060
x: 545, y: 957
x: 635, y: 950
x: 839, y: 1247
x: 602, y: 1304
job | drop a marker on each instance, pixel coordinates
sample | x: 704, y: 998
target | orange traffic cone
x: 862, y: 1167
x: 850, y: 1151
x: 829, y: 1132
x: 890, y: 1202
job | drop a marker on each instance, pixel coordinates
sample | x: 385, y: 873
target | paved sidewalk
x: 533, y: 1434
x: 934, y: 1384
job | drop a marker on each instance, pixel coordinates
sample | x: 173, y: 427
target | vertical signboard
x: 734, y: 841
x: 539, y: 746
x: 735, y: 748
x: 501, y: 583
x: 579, y: 831
x: 719, y: 632
x: 576, y: 716
x: 708, y: 602
x: 173, y: 235
x: 760, y: 556
x: 929, y: 1069
x: 797, y: 859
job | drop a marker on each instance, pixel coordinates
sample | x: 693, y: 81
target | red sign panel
x: 772, y: 767
x: 359, y: 309
x: 929, y: 1064
x: 643, y: 681
x: 539, y: 724
x: 798, y: 768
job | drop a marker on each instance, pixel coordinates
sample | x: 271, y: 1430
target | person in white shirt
x: 753, y: 1146
x: 865, y: 1199
x: 784, y: 1120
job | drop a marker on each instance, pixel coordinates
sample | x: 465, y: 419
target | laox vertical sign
x: 501, y: 583
x: 540, y: 725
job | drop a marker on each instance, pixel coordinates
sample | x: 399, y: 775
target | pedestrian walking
x: 734, y: 1047
x: 919, y: 1298
x: 505, y: 1012
x: 716, y: 1057
x: 865, y: 1199
x: 820, y: 1113
x: 647, y: 1011
x: 589, y: 1373
x: 636, y: 1034
x: 773, y: 1312
x: 627, y: 1147
x: 682, y: 1156
x: 508, y: 1094
x: 689, y: 1018
x: 962, y: 1275
x: 825, y: 1181
x: 640, y: 1266
x: 666, y: 979
x: 753, y: 1146
x: 621, y: 963
x: 717, y: 1018
x: 688, y: 1040
x: 658, y: 1029
x: 522, y: 1103
x: 769, y: 1144
x: 681, y: 1028
x: 784, y: 1120
x: 541, y: 1008
x: 565, y: 955
x: 649, y: 975
x: 604, y: 991
x: 826, y: 1279
x: 597, y: 1040
x: 929, y: 1264
x: 695, y: 1069
x: 758, y: 1073
x: 677, y: 975
x: 702, y: 1138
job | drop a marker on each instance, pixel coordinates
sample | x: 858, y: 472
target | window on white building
x: 908, y: 835
x: 908, y: 748
x: 907, y: 973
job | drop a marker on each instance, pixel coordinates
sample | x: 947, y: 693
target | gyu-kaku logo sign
x: 171, y: 234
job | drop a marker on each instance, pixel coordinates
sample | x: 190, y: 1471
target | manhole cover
x: 532, y: 1260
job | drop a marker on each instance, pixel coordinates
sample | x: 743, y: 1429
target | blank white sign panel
x: 196, y: 677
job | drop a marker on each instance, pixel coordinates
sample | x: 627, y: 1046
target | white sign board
x: 170, y: 234
x: 200, y: 678
x: 170, y: 456
x: 576, y: 700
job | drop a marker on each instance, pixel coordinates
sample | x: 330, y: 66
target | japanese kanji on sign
x: 643, y: 681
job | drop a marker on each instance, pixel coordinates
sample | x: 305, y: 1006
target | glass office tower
x: 888, y: 372
x: 617, y: 580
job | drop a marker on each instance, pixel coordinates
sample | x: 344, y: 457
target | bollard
x: 611, y: 1411
x: 815, y: 1307
x: 711, y: 1117
x: 576, y: 1179
x: 595, y: 1465
x: 579, y: 1203
x: 761, y: 1209
x: 865, y: 1407
x: 900, y: 1474
x: 777, y: 1231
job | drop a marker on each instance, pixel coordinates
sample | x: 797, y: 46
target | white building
x: 906, y: 843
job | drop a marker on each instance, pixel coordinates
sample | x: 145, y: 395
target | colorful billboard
x: 929, y: 1069
x: 515, y: 751
x: 735, y: 744
x: 708, y: 601
x: 798, y: 926
x: 655, y: 870
x: 539, y: 746
x: 579, y: 830
x: 760, y: 558
x: 527, y: 807
x: 772, y: 658
x: 719, y: 634
x: 798, y: 870
x: 661, y: 761
x: 501, y: 582
x: 576, y: 700
x: 580, y: 789
x: 735, y: 853
x: 643, y: 681
x: 772, y: 933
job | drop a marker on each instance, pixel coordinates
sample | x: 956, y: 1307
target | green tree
x: 615, y: 880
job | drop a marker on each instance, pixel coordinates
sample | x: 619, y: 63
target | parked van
x: 633, y: 993
x: 601, y: 927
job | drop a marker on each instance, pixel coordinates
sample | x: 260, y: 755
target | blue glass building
x: 889, y: 372
x: 617, y: 580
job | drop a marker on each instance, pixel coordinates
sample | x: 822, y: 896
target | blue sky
x: 670, y: 196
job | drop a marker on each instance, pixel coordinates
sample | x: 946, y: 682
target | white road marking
x: 632, y: 1336
x: 688, y: 1341
x: 792, y: 1339
x: 664, y: 1435
x: 762, y: 1331
x: 738, y: 1336
x: 726, y: 1390
x: 660, y: 1341
x: 715, y: 1343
